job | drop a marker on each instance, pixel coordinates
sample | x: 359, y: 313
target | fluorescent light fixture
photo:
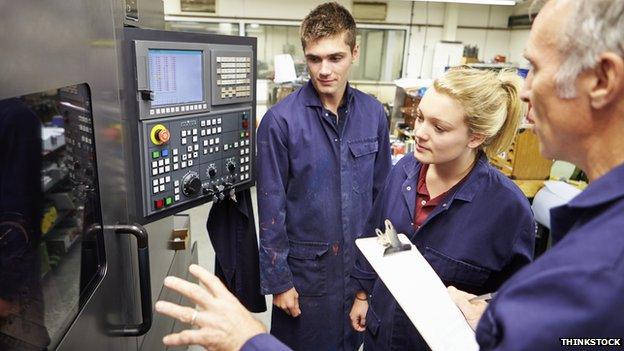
x: 477, y: 2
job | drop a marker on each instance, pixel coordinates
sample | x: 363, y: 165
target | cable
x: 422, y: 59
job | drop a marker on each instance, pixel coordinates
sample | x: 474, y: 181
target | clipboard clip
x: 390, y: 239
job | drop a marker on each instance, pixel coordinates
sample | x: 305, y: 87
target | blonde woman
x: 472, y: 224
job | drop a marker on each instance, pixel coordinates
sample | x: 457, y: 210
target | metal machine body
x: 97, y: 70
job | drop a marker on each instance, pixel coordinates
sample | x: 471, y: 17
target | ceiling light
x: 477, y: 2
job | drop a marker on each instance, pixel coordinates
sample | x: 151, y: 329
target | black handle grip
x: 144, y: 281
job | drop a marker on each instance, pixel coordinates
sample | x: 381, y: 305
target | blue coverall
x: 317, y: 179
x: 481, y: 234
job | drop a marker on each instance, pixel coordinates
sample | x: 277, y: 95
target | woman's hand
x: 472, y: 310
x: 220, y: 323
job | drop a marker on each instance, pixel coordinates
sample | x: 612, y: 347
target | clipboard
x: 421, y: 294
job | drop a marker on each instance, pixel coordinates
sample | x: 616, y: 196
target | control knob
x: 231, y: 166
x: 191, y: 184
x: 212, y: 172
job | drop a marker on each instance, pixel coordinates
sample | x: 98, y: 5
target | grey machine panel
x: 195, y: 103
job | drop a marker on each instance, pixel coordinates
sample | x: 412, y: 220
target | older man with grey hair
x: 574, y: 294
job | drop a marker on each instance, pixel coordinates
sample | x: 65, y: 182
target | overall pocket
x: 307, y: 267
x: 453, y: 271
x: 364, y: 152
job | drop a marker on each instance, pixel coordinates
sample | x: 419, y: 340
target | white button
x: 195, y: 147
x: 167, y: 179
x: 167, y: 168
x: 189, y: 148
x: 211, y: 141
x: 236, y: 144
x: 409, y: 188
x: 175, y: 159
x: 423, y: 202
x: 205, y: 142
x: 190, y: 163
x: 205, y: 106
x: 208, y: 131
x: 205, y: 151
x: 219, y: 120
x: 155, y: 190
x: 247, y: 142
x: 211, y: 150
x: 184, y: 157
x: 203, y: 132
x: 154, y: 164
x: 183, y: 164
x: 246, y: 176
x: 176, y: 190
x: 214, y: 121
x: 183, y: 141
x: 157, y: 111
x: 167, y: 110
x: 242, y: 177
x: 162, y: 188
x: 155, y: 182
x: 151, y: 112
x: 183, y: 133
x: 202, y: 123
x: 177, y: 197
x: 219, y: 130
x: 194, y: 139
x: 176, y: 183
x: 195, y: 131
x: 161, y: 169
x: 246, y: 159
x: 217, y: 140
x: 242, y: 152
x: 161, y: 181
x: 175, y: 167
x: 167, y: 161
x: 175, y: 152
x: 177, y: 109
x: 217, y: 149
x: 191, y: 107
x: 195, y: 154
x: 161, y: 162
x: 247, y: 150
x: 214, y: 130
x: 208, y: 122
x: 225, y: 147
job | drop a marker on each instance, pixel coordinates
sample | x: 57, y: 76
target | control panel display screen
x: 175, y: 76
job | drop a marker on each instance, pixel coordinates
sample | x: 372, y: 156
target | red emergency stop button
x: 245, y: 124
x: 159, y: 134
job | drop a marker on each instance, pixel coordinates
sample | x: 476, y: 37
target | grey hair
x: 595, y: 27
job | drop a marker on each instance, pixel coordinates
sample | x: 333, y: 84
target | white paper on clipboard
x: 422, y: 295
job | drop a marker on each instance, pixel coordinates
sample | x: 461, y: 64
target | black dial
x: 231, y: 167
x: 191, y: 185
x: 212, y: 172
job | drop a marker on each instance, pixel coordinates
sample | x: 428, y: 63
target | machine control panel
x: 195, y: 103
x: 189, y: 157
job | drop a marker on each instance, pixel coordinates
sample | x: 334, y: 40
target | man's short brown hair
x: 325, y: 21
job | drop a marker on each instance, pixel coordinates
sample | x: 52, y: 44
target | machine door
x: 55, y: 288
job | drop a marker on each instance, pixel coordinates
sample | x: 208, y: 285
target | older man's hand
x: 472, y: 310
x: 220, y: 323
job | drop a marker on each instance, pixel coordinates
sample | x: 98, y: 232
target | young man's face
x: 329, y: 60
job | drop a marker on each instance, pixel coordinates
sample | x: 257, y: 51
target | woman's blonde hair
x: 490, y: 100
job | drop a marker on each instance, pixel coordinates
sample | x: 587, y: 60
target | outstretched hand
x: 221, y: 322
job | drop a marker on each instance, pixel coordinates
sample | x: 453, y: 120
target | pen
x: 485, y: 297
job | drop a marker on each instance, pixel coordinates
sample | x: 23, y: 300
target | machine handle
x: 144, y: 281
